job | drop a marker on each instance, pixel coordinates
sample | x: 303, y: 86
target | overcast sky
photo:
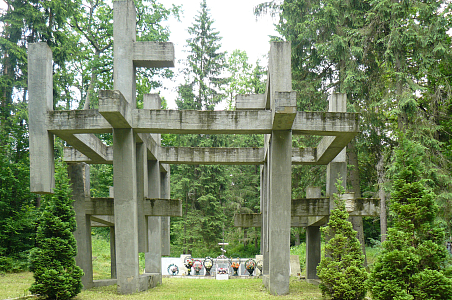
x: 236, y: 24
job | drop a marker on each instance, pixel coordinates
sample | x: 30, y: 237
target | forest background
x: 391, y: 58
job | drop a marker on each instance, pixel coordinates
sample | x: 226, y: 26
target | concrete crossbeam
x: 285, y: 110
x: 72, y: 155
x: 194, y: 121
x: 215, y: 156
x: 325, y: 123
x: 114, y: 108
x: 153, y: 54
x: 88, y: 144
x: 103, y: 220
x: 208, y: 122
x: 40, y: 89
x: 250, y: 102
x: 151, y: 207
x: 313, y: 207
x: 77, y: 121
x: 255, y: 220
x: 304, y: 156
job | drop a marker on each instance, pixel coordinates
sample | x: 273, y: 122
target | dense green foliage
x: 341, y: 270
x: 414, y: 258
x: 52, y: 261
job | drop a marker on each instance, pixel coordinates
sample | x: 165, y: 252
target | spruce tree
x: 53, y: 259
x: 341, y: 270
x: 414, y: 257
x: 205, y: 63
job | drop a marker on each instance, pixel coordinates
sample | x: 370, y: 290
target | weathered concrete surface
x: 279, y: 212
x: 89, y: 145
x: 313, y: 239
x: 250, y: 102
x: 142, y: 193
x: 77, y: 121
x: 310, y: 207
x: 40, y: 91
x: 151, y: 207
x: 153, y: 54
x: 80, y: 181
x: 217, y: 156
x: 285, y: 110
x: 114, y: 108
x: 166, y: 226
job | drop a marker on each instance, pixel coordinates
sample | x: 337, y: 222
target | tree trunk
x: 381, y: 193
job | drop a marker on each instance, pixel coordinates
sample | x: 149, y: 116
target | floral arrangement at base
x: 208, y: 263
x: 250, y: 265
x: 188, y: 264
x: 197, y: 266
x: 235, y: 265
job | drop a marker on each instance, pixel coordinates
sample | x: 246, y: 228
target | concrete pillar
x: 111, y: 194
x: 279, y: 212
x: 153, y: 256
x: 264, y: 211
x: 126, y: 215
x: 166, y: 225
x: 142, y: 193
x: 79, y: 178
x: 113, y: 253
x: 124, y: 35
x: 40, y: 91
x: 337, y: 168
x: 313, y: 240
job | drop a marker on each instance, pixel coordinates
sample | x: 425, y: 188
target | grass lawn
x: 16, y: 285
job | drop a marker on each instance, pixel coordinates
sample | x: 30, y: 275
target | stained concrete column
x: 113, y: 253
x: 337, y: 168
x: 279, y: 212
x: 142, y: 193
x: 124, y: 35
x: 264, y: 211
x: 80, y: 183
x: 166, y: 225
x: 111, y: 194
x: 40, y: 91
x: 126, y: 214
x: 153, y: 256
x: 313, y: 240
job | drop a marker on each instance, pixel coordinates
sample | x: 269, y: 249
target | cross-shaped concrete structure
x: 141, y: 204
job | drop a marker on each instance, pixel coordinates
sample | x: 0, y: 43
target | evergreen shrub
x: 414, y: 258
x: 52, y: 261
x: 341, y: 270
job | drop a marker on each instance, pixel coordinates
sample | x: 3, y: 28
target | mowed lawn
x: 16, y: 285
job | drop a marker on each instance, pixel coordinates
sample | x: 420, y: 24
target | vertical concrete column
x: 264, y: 211
x: 279, y: 212
x: 166, y: 225
x: 40, y: 91
x: 113, y: 253
x: 337, y: 168
x: 153, y: 257
x: 142, y: 193
x: 126, y: 214
x: 79, y: 178
x: 124, y: 35
x: 313, y: 240
x: 111, y: 194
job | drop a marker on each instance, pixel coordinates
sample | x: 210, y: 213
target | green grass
x: 15, y: 285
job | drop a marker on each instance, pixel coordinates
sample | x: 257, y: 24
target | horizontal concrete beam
x: 203, y: 156
x: 310, y: 211
x: 255, y: 220
x: 214, y: 156
x: 250, y: 102
x: 151, y: 207
x: 325, y: 123
x: 153, y: 54
x: 330, y: 146
x: 114, y: 108
x: 77, y: 121
x: 88, y: 144
x: 285, y: 110
x: 208, y: 122
x: 102, y: 221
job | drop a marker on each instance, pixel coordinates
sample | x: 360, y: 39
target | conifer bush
x: 341, y: 271
x: 414, y: 258
x: 52, y: 261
